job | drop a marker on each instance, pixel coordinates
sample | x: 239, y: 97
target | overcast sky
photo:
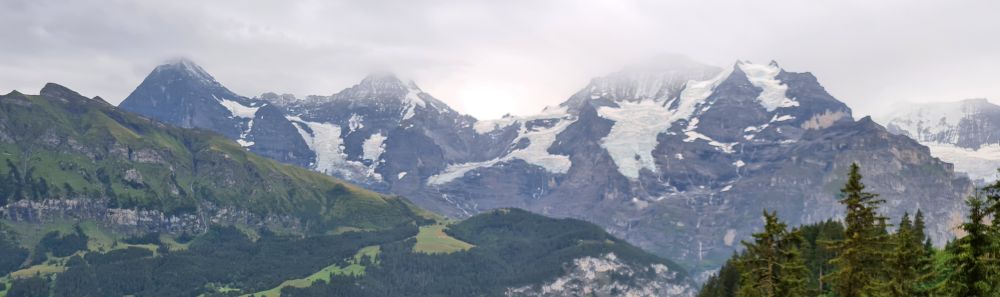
x: 487, y: 58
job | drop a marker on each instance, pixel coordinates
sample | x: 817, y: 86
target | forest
x: 867, y: 255
x: 510, y: 248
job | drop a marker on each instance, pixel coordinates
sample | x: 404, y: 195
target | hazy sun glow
x: 489, y: 99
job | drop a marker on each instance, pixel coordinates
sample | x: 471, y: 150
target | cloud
x: 488, y: 58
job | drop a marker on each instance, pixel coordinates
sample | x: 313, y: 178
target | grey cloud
x: 492, y: 57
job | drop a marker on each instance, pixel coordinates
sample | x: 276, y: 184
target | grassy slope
x: 432, y: 239
x: 99, y: 240
x: 354, y: 269
x: 54, y: 134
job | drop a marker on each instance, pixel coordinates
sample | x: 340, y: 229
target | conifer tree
x: 920, y: 232
x: 908, y: 266
x: 772, y: 265
x: 864, y: 243
x: 969, y: 276
x: 794, y: 280
x: 992, y: 254
x: 925, y: 261
x: 829, y: 231
x: 726, y: 282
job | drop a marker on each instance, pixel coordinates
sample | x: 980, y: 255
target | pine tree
x: 772, y: 264
x: 907, y: 265
x: 925, y: 269
x: 992, y: 193
x: 992, y: 253
x: 820, y: 266
x: 794, y: 281
x: 920, y: 232
x: 864, y: 243
x: 726, y: 282
x: 760, y: 264
x: 969, y: 275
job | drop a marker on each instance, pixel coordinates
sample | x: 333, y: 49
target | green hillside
x: 510, y: 248
x: 62, y: 145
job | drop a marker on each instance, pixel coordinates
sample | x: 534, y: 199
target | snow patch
x: 536, y: 153
x: 980, y: 164
x: 412, y: 100
x: 782, y: 118
x: 772, y: 95
x: 238, y: 110
x: 331, y: 159
x: 355, y: 122
x: 637, y: 124
x: 693, y: 95
x: 633, y: 136
x: 373, y: 147
x: 724, y: 147
x: 729, y: 238
x: 487, y: 126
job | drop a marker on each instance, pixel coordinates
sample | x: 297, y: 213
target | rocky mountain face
x: 182, y: 94
x: 966, y: 133
x: 677, y: 157
x: 385, y: 133
x: 598, y: 276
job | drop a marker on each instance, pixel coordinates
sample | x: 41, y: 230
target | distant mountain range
x: 98, y: 201
x: 674, y: 156
x: 966, y: 133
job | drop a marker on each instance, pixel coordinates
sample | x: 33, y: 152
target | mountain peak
x: 186, y: 67
x: 382, y: 85
x: 387, y: 81
x: 771, y: 64
x: 55, y: 90
x: 660, y: 78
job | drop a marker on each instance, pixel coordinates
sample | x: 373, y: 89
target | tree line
x: 860, y: 257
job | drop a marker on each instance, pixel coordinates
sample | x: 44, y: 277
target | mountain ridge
x: 643, y: 156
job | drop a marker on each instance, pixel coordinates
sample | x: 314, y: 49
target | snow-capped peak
x: 639, y: 122
x: 936, y: 121
x: 964, y: 133
x: 658, y: 79
x: 386, y: 82
x: 187, y: 67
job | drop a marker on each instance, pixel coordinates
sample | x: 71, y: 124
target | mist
x: 489, y: 58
